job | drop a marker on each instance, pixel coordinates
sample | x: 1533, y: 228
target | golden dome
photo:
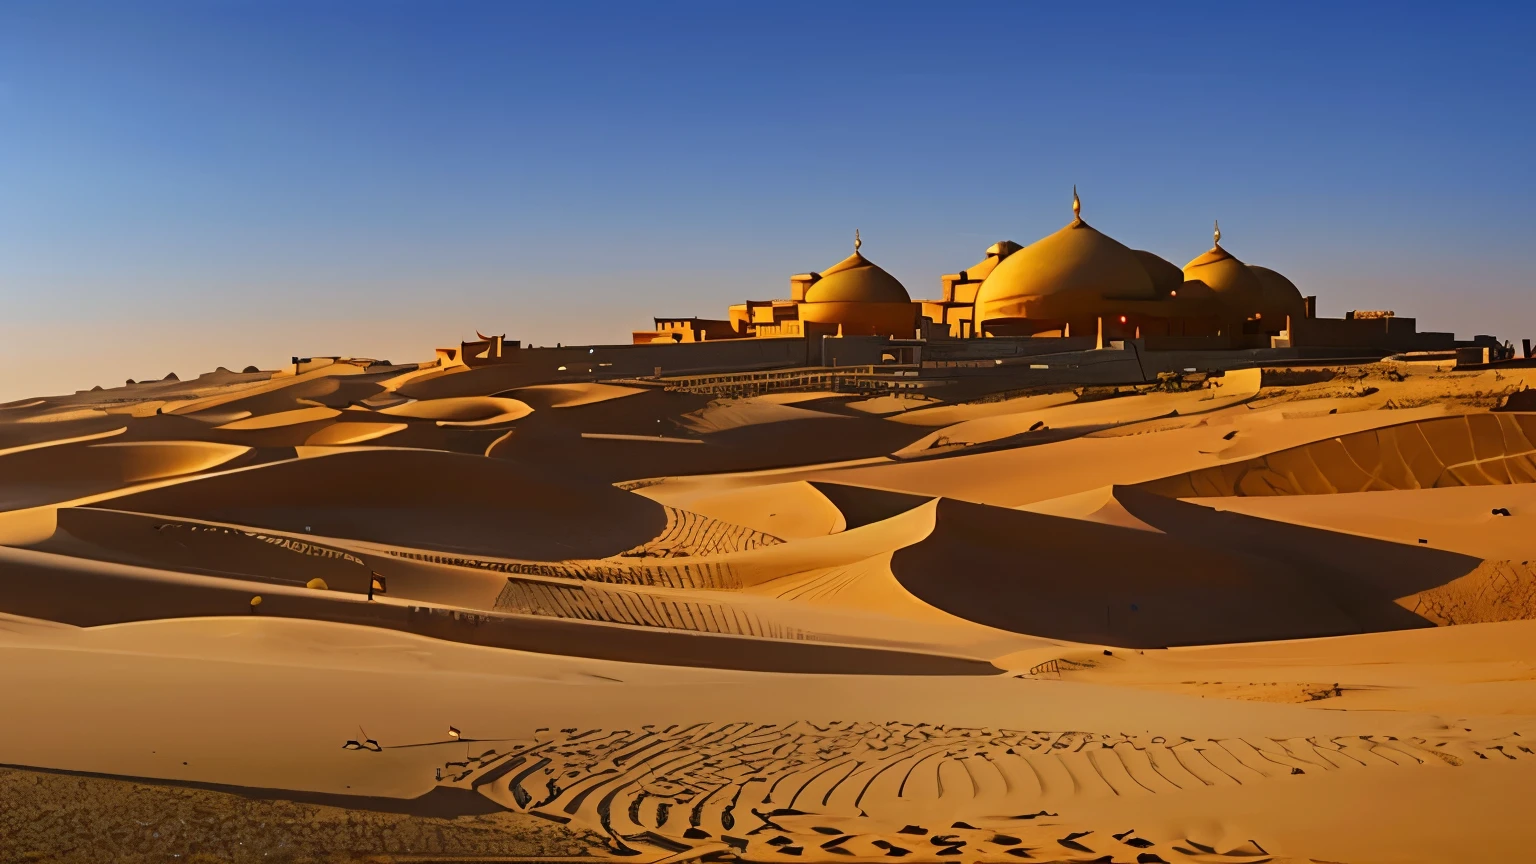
x: 1166, y: 276
x: 1280, y: 296
x: 1078, y: 266
x: 856, y: 279
x: 1234, y: 283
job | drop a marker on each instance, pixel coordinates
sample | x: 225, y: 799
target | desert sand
x: 425, y: 614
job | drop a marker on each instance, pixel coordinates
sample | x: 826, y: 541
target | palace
x: 1077, y: 282
x: 1076, y: 305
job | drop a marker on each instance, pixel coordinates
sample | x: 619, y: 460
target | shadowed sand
x: 444, y: 501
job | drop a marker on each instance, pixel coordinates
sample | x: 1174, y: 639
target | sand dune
x: 1460, y: 671
x: 464, y: 411
x: 862, y: 506
x: 1468, y: 450
x: 696, y: 552
x: 443, y: 501
x: 1095, y: 505
x: 15, y: 435
x: 1018, y: 476
x: 949, y: 415
x: 59, y: 442
x: 281, y: 418
x: 571, y: 395
x: 352, y: 432
x: 618, y: 457
x: 482, y: 381
x: 1207, y: 578
x: 198, y: 547
x: 44, y: 585
x: 51, y: 474
x: 1098, y: 413
x: 329, y: 386
x: 737, y: 413
x: 886, y: 406
x: 1459, y: 519
x: 790, y: 639
x: 894, y: 779
x: 789, y: 510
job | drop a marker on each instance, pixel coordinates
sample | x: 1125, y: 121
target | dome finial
x: 1216, y: 235
x: 856, y: 241
x: 1077, y: 204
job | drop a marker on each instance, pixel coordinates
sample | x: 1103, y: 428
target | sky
x: 185, y: 185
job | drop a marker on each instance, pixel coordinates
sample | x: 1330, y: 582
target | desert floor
x: 1288, y: 615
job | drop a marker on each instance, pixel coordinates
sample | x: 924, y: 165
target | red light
x: 1122, y: 319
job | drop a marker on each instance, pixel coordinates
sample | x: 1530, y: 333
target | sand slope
x: 1460, y: 519
x: 1098, y: 413
x: 1468, y: 450
x: 1088, y: 582
x: 463, y: 411
x: 51, y: 474
x: 445, y: 501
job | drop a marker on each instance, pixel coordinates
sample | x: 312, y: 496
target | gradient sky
x: 186, y: 185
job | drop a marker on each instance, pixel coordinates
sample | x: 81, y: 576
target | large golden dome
x: 1076, y: 267
x: 1234, y: 283
x: 1279, y: 296
x: 856, y: 279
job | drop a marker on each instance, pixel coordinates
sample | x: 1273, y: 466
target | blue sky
x: 185, y: 185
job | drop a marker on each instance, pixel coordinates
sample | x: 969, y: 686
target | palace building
x: 1075, y: 282
x: 1074, y: 305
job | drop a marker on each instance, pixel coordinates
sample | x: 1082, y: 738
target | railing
x: 841, y: 379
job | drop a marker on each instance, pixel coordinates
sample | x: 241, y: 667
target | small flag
x: 453, y: 732
x: 378, y: 584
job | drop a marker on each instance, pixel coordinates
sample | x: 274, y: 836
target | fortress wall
x: 1386, y: 334
x: 610, y: 361
x: 1003, y: 346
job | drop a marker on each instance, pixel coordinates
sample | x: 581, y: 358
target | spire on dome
x: 856, y: 241
x: 1077, y: 205
x: 1216, y: 235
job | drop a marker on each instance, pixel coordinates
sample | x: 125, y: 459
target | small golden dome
x: 1234, y: 283
x: 856, y: 279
